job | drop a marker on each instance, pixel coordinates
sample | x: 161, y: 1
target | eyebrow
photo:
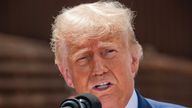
x: 76, y: 55
x: 100, y: 45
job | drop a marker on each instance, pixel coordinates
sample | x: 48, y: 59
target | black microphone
x: 82, y: 101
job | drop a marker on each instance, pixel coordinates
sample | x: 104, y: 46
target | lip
x: 105, y: 90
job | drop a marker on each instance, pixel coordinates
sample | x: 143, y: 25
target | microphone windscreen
x: 93, y: 100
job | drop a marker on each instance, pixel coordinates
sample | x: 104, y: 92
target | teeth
x: 105, y: 83
x: 102, y: 86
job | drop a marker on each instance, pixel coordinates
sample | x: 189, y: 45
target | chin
x: 109, y: 102
x: 109, y: 105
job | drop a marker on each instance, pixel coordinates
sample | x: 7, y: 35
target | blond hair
x: 91, y: 19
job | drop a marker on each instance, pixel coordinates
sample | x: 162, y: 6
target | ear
x: 66, y: 74
x: 135, y: 62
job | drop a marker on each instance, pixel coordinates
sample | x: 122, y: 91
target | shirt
x: 133, y: 102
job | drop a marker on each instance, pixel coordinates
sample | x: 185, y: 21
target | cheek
x: 123, y: 70
x: 80, y: 78
x: 121, y: 62
x: 121, y: 67
x: 124, y: 76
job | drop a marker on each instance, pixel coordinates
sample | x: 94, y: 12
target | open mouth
x: 102, y: 86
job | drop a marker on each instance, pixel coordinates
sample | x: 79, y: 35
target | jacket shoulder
x: 157, y: 104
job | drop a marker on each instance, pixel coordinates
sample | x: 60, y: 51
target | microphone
x: 82, y: 101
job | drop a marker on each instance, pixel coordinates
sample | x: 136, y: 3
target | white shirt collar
x: 133, y: 102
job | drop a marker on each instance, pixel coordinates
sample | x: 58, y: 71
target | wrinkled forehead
x: 79, y: 42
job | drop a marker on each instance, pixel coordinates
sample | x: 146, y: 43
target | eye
x: 109, y: 53
x: 83, y: 60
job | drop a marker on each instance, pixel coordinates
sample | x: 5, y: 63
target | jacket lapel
x: 142, y: 102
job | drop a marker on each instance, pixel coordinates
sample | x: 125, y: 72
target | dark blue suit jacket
x: 148, y: 103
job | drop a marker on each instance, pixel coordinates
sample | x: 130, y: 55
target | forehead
x: 116, y: 39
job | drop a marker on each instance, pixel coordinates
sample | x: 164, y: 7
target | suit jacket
x: 149, y: 103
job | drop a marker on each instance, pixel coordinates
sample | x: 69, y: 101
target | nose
x: 99, y: 66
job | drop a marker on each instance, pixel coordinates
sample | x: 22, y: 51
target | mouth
x: 102, y: 86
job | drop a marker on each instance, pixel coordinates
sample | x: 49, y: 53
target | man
x: 96, y: 52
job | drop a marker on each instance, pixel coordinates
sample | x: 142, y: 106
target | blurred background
x: 30, y: 79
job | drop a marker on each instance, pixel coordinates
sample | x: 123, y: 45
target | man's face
x: 104, y: 67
